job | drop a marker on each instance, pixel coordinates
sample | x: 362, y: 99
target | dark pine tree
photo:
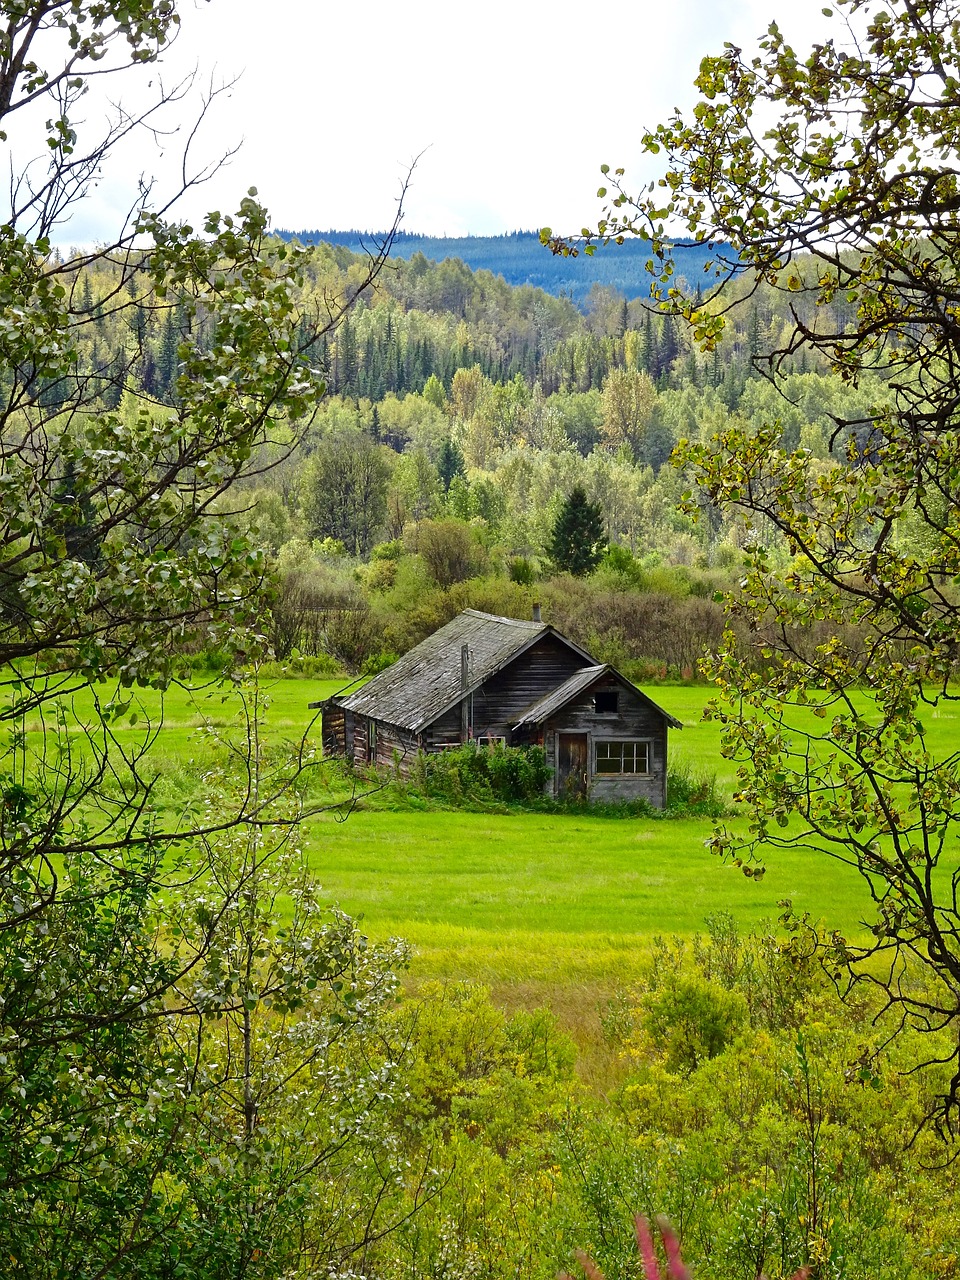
x: 348, y: 367
x: 114, y: 380
x: 400, y: 372
x: 167, y: 361
x: 649, y: 348
x: 577, y: 541
x: 754, y: 341
x: 72, y: 516
x: 450, y: 463
x: 623, y: 319
x: 669, y: 349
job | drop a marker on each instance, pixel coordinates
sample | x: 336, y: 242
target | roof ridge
x: 426, y: 681
x: 500, y: 617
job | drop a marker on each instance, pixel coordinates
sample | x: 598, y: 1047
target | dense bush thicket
x: 511, y: 775
x: 768, y: 1120
x: 652, y: 625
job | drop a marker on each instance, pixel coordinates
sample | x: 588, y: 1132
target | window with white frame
x: 622, y: 757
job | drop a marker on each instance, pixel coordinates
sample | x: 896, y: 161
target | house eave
x: 528, y: 720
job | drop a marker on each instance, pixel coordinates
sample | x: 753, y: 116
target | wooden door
x: 572, y: 764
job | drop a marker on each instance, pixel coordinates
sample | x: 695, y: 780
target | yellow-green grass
x: 545, y: 909
x: 523, y: 901
x: 580, y: 881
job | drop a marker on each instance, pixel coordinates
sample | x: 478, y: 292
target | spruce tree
x: 450, y: 463
x: 650, y: 348
x: 348, y: 366
x: 578, y: 540
x: 167, y: 362
x: 669, y: 349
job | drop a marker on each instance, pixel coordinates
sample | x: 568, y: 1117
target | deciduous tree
x: 628, y: 402
x: 118, y: 556
x: 347, y: 490
x: 835, y: 178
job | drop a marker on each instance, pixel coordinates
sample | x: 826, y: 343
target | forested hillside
x: 519, y: 257
x: 461, y: 413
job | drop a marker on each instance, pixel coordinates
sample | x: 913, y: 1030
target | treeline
x: 521, y: 259
x: 461, y: 414
x: 432, y: 319
x: 428, y: 320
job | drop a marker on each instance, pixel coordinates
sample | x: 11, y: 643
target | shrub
x: 301, y: 667
x: 511, y: 775
x: 693, y: 1019
x: 378, y: 662
x: 449, y: 549
x: 695, y: 795
x: 522, y: 571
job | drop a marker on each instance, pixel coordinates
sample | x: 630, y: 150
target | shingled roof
x: 426, y: 682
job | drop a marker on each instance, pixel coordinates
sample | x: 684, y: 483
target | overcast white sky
x: 514, y: 105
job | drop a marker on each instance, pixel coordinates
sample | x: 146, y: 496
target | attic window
x: 606, y: 702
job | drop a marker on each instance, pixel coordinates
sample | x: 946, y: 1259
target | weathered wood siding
x: 444, y: 731
x: 498, y: 703
x: 345, y: 733
x: 396, y: 748
x: 634, y: 721
x: 333, y: 732
x: 532, y: 675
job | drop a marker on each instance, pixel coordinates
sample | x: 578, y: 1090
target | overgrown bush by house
x: 471, y: 773
x: 475, y: 776
x: 693, y: 794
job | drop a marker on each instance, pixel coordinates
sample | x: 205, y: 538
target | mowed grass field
x: 520, y: 898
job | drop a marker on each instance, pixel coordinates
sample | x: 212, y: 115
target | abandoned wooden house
x: 485, y: 680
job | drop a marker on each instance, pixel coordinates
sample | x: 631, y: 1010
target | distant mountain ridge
x: 521, y: 259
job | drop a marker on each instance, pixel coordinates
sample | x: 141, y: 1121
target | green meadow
x: 543, y: 908
x: 509, y: 897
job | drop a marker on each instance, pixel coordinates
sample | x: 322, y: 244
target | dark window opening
x: 606, y: 702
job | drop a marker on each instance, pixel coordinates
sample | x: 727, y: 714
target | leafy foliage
x: 834, y: 176
x: 510, y: 775
x: 785, y: 1149
x: 154, y: 1037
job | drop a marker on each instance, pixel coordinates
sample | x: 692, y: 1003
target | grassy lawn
x: 520, y: 899
x: 584, y: 883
